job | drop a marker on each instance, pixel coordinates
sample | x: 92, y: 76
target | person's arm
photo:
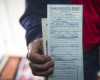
x: 41, y: 65
x: 31, y: 19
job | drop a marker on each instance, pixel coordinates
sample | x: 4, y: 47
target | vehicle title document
x: 64, y: 37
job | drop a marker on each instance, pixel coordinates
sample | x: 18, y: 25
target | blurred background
x: 12, y: 34
x: 13, y: 49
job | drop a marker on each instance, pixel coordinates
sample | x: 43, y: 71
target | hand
x: 41, y: 65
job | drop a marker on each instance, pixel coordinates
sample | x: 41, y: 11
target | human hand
x: 41, y: 65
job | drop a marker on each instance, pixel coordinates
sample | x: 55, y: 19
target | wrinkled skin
x: 41, y: 65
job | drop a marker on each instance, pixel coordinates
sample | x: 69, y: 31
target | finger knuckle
x: 43, y: 58
x: 31, y: 56
x: 44, y: 67
x: 34, y: 73
x: 44, y: 73
x: 30, y: 64
x: 50, y: 70
x: 34, y: 67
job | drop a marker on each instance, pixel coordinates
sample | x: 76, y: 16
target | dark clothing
x: 37, y: 9
x: 91, y: 64
x: 31, y: 19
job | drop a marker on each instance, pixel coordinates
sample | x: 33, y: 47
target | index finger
x: 38, y: 58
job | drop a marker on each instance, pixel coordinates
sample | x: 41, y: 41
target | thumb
x: 36, y: 46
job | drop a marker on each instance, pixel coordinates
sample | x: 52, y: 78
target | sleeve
x: 31, y: 19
